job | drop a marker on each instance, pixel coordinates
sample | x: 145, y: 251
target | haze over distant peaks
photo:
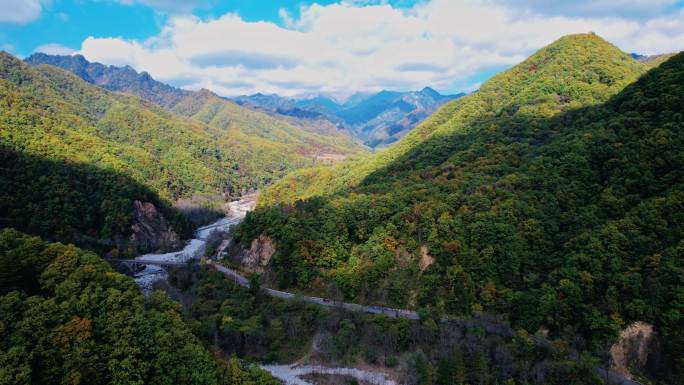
x: 378, y: 119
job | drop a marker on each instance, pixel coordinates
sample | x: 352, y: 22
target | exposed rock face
x: 258, y: 255
x: 425, y: 259
x: 150, y: 230
x: 633, y: 349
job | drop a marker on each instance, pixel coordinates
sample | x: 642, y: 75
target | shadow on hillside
x: 479, y: 138
x: 601, y: 185
x: 509, y: 126
x: 73, y: 202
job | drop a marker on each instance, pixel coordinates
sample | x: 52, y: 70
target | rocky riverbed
x: 196, y: 247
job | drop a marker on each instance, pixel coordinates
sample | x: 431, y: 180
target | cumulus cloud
x: 353, y: 46
x: 19, y: 11
x: 55, y: 49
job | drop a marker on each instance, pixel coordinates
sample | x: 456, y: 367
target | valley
x: 295, y: 373
x: 233, y: 200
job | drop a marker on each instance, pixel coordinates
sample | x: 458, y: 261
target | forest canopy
x: 553, y: 196
x: 66, y: 317
x: 74, y: 156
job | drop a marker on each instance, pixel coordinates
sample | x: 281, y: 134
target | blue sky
x: 69, y: 22
x: 328, y: 46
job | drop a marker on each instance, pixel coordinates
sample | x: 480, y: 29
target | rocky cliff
x: 256, y: 258
x: 150, y: 231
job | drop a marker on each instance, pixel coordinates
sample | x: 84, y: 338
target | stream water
x: 292, y: 374
x: 195, y: 247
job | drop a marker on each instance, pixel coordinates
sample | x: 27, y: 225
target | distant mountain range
x: 275, y: 134
x: 376, y: 119
x: 118, y: 79
x: 652, y: 60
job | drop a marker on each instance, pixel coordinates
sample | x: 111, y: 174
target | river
x: 194, y: 248
x: 295, y: 374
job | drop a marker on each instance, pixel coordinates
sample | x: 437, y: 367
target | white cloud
x: 55, y: 49
x: 19, y: 11
x: 348, y: 47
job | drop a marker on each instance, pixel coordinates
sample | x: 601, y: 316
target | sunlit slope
x: 552, y: 197
x: 574, y: 71
x: 267, y: 147
x: 75, y: 156
x: 262, y: 147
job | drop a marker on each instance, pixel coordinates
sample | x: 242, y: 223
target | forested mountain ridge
x: 76, y: 156
x: 118, y: 79
x: 284, y: 146
x: 552, y: 196
x: 66, y: 317
x: 574, y: 71
x: 278, y: 140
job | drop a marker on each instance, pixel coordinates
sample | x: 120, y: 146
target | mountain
x: 76, y: 158
x: 387, y: 116
x: 652, y: 60
x: 376, y: 119
x: 244, y: 129
x: 68, y: 317
x: 118, y: 79
x: 551, y: 198
x: 356, y: 98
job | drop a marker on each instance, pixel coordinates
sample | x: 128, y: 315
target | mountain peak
x: 205, y: 92
x: 11, y: 68
x: 577, y: 43
x: 113, y: 78
x: 4, y: 55
x: 429, y: 91
x: 595, y: 68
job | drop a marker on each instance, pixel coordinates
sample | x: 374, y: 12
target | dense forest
x: 282, y: 144
x: 75, y: 156
x: 528, y: 224
x: 265, y: 146
x: 552, y: 196
x: 67, y: 318
x: 477, y: 351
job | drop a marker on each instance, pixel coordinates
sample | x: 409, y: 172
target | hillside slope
x: 76, y: 157
x: 553, y: 197
x: 282, y: 146
x: 118, y: 79
x: 574, y: 71
x: 267, y: 147
x: 67, y: 317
